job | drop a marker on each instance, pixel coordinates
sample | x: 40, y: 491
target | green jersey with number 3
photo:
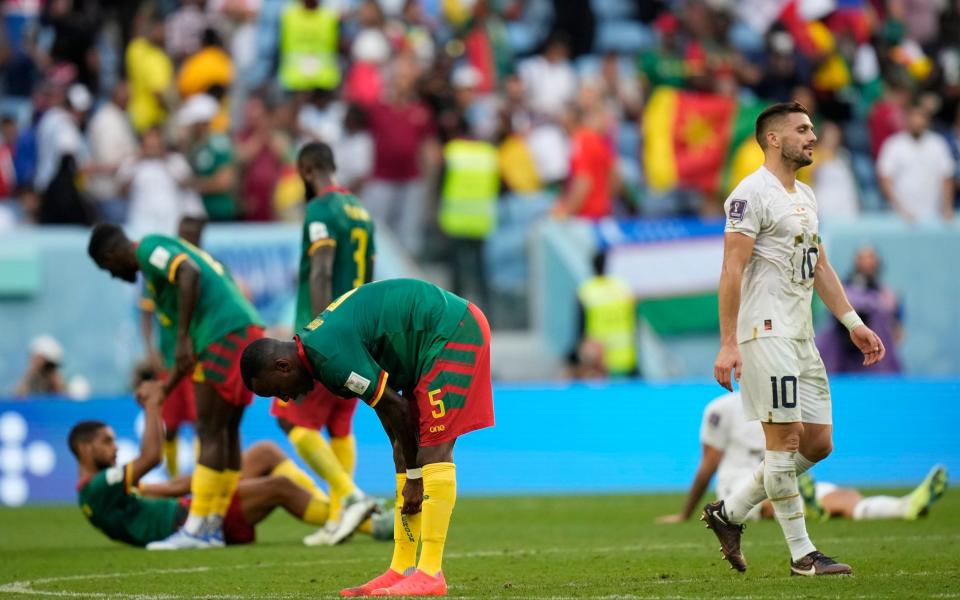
x: 335, y: 218
x: 221, y: 307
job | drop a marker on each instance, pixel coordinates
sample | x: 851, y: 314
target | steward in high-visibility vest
x: 609, y: 316
x: 308, y: 47
x: 471, y: 186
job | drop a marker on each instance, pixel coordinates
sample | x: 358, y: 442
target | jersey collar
x: 336, y: 189
x: 303, y: 356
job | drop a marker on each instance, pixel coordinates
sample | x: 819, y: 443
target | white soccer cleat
x: 322, y: 536
x: 356, y: 508
x: 181, y: 540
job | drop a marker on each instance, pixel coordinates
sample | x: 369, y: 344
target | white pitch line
x: 26, y: 587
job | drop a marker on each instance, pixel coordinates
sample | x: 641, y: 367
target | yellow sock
x: 315, y: 450
x: 294, y: 473
x: 170, y: 455
x: 439, y: 496
x: 345, y: 449
x: 406, y: 532
x: 317, y: 511
x: 229, y: 479
x: 204, y: 489
x: 366, y: 527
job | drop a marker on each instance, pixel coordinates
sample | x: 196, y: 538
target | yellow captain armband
x: 174, y: 265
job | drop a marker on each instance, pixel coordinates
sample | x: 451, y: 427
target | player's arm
x: 948, y: 193
x: 394, y: 413
x: 321, y: 276
x: 709, y: 461
x: 151, y: 445
x: 167, y: 489
x: 187, y: 280
x: 737, y: 249
x: 831, y: 291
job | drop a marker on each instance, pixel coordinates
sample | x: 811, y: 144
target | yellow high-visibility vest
x: 308, y: 48
x: 610, y: 319
x: 471, y: 186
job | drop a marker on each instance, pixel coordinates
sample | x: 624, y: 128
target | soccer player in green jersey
x: 336, y: 256
x: 214, y: 324
x: 114, y: 502
x: 418, y: 355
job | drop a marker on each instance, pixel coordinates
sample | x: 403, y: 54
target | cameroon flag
x: 698, y: 141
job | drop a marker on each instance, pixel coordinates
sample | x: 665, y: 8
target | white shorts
x: 784, y: 381
x: 823, y: 488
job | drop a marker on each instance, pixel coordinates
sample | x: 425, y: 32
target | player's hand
x: 869, y: 343
x: 412, y: 497
x: 727, y: 359
x: 183, y: 355
x: 150, y: 391
x: 670, y: 519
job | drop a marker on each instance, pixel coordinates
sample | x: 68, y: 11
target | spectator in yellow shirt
x: 150, y: 73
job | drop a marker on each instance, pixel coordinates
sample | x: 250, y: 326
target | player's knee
x: 266, y: 451
x: 818, y: 451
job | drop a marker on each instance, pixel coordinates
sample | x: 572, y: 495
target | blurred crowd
x: 449, y: 116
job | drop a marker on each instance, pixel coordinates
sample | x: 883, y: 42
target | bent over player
x: 772, y: 260
x: 114, y: 502
x: 214, y: 324
x: 337, y: 255
x: 381, y: 340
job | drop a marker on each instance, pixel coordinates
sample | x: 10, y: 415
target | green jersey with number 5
x: 336, y: 219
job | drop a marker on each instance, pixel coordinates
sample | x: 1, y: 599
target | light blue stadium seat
x: 612, y: 9
x: 622, y: 37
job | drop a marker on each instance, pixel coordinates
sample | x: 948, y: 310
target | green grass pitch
x: 547, y: 547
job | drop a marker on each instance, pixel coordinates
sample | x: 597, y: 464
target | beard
x: 796, y: 157
x: 103, y: 464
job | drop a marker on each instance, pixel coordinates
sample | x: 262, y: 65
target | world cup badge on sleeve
x: 738, y: 208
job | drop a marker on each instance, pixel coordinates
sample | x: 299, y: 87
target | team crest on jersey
x: 738, y: 208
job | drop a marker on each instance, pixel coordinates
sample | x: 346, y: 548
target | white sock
x: 804, y: 464
x: 880, y: 507
x: 194, y: 524
x: 741, y: 502
x: 780, y: 482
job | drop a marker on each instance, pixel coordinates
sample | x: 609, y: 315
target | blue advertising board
x: 561, y: 438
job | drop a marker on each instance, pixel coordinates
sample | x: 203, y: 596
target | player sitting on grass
x: 435, y: 349
x: 114, y: 503
x: 336, y: 255
x: 733, y: 448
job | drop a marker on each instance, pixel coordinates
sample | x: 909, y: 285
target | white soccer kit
x: 725, y: 428
x: 783, y: 379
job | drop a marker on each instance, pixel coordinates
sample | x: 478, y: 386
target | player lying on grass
x: 114, y: 503
x: 381, y: 340
x: 733, y: 448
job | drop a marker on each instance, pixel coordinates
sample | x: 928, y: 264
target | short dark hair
x: 255, y: 359
x: 600, y: 262
x: 103, y: 238
x: 319, y: 156
x: 772, y: 113
x: 83, y: 432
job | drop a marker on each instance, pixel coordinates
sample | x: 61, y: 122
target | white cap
x: 466, y: 77
x: 79, y: 97
x: 371, y: 46
x: 200, y: 108
x: 47, y: 347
